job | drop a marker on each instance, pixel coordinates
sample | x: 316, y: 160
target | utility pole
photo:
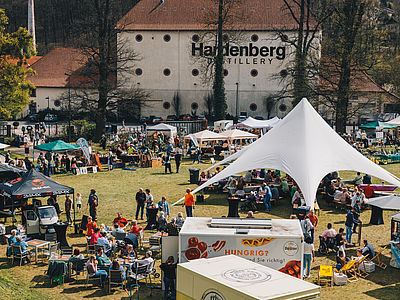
x: 69, y: 107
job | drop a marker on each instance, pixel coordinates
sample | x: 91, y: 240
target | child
x: 79, y: 201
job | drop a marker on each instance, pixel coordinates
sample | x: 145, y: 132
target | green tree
x: 15, y: 48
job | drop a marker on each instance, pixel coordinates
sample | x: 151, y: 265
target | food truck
x: 232, y: 277
x: 275, y: 243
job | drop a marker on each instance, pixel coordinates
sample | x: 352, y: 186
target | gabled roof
x: 27, y: 62
x: 190, y: 15
x: 52, y: 68
x: 318, y: 151
x: 360, y: 81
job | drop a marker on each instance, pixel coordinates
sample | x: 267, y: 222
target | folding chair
x: 18, y: 254
x: 133, y: 289
x: 377, y: 259
x: 97, y: 247
x: 89, y: 248
x: 78, y: 267
x: 327, y: 272
x: 66, y: 250
x: 155, y: 244
x: 359, y: 271
x: 350, y: 270
x: 115, y: 277
x: 53, y: 248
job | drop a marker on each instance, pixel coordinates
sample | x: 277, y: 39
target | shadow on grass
x: 388, y: 292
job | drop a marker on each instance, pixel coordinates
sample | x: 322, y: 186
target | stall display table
x: 61, y: 231
x: 233, y: 207
x: 376, y: 215
x: 380, y: 187
x: 152, y: 217
x: 36, y: 244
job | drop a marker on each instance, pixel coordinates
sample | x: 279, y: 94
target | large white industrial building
x: 169, y: 38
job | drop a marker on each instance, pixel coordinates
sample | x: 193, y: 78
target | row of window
x: 253, y: 107
x: 196, y: 72
x: 195, y: 38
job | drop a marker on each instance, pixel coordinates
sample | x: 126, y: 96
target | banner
x: 283, y: 254
x: 85, y: 148
x: 194, y: 139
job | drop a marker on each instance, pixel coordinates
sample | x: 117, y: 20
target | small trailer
x: 234, y: 278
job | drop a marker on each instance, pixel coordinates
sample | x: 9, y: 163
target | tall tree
x: 110, y: 57
x: 15, y: 48
x: 309, y: 19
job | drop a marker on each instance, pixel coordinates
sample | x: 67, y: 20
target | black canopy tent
x: 8, y: 172
x: 33, y: 184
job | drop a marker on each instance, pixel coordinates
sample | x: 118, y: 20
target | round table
x: 376, y: 215
x: 233, y: 207
x: 61, y: 231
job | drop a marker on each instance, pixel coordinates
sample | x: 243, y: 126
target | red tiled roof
x: 52, y: 68
x: 190, y: 15
x: 359, y: 80
x: 27, y: 63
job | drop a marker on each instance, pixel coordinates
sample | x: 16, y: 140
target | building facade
x: 175, y: 47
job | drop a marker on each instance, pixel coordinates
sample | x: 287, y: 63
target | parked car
x: 156, y: 120
x: 50, y: 118
x: 201, y: 117
x: 33, y: 118
x: 242, y: 117
x: 259, y: 118
x: 185, y: 117
x: 172, y: 118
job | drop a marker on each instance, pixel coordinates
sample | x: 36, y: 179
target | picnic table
x: 36, y: 244
x: 55, y: 256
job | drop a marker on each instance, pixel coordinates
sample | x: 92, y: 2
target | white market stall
x: 264, y: 125
x: 275, y: 243
x: 171, y: 130
x: 395, y: 121
x: 304, y: 146
x: 234, y: 278
x: 203, y: 136
x: 236, y: 134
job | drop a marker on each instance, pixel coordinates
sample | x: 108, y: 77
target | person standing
x: 103, y: 142
x: 196, y: 155
x: 140, y: 199
x: 8, y: 157
x: 267, y: 196
x: 314, y: 221
x: 164, y: 206
x: 168, y: 162
x: 169, y: 269
x: 178, y: 156
x: 93, y: 202
x: 308, y: 256
x: 68, y: 208
x: 189, y: 203
x: 110, y: 160
x: 78, y: 201
x: 349, y: 224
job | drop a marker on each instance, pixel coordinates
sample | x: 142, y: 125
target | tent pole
x: 73, y: 199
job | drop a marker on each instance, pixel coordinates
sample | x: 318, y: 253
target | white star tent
x: 304, y: 146
x: 254, y: 123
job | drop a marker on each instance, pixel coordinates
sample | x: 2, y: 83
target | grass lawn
x: 117, y: 191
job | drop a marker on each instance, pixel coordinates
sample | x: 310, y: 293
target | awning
x: 391, y: 202
x: 57, y: 146
x: 376, y: 124
x: 33, y: 184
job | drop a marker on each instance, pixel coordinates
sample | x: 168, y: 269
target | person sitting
x: 13, y: 238
x: 134, y: 228
x: 147, y: 261
x: 203, y: 176
x: 102, y: 259
x: 162, y: 222
x: 76, y: 256
x: 164, y: 206
x: 91, y: 267
x: 120, y: 220
x: 129, y: 252
x: 284, y: 186
x: 359, y: 255
x: 340, y: 241
x: 172, y: 228
x: 116, y: 229
x: 329, y: 232
x: 367, y: 179
x: 94, y: 237
x: 21, y: 244
x: 180, y: 220
x: 345, y: 197
x: 340, y: 260
x: 250, y: 215
x: 278, y: 179
x: 90, y: 226
x: 337, y: 196
x: 339, y: 183
x: 247, y: 177
x: 368, y: 250
x: 103, y: 241
x: 358, y: 179
x: 116, y: 266
x: 368, y: 191
x: 268, y: 176
x: 298, y: 198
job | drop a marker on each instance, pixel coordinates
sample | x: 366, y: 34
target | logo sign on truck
x: 212, y: 295
x: 280, y: 254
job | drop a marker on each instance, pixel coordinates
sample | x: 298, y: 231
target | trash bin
x: 199, y: 198
x: 26, y: 150
x: 194, y: 176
